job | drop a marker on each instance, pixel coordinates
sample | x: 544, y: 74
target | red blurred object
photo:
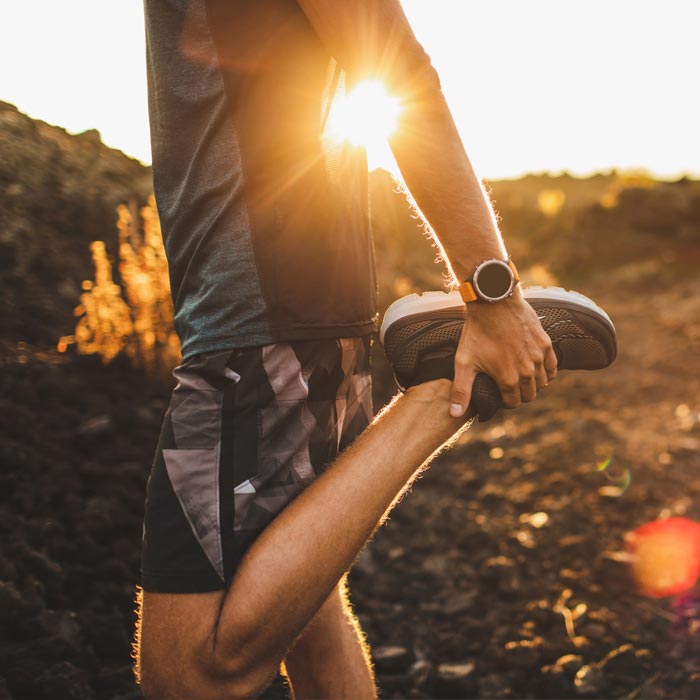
x: 666, y: 556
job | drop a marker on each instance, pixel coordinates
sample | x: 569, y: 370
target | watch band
x: 468, y: 293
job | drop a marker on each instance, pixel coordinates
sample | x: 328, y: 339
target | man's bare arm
x: 372, y: 38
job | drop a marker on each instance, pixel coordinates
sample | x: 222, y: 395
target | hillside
x: 58, y: 193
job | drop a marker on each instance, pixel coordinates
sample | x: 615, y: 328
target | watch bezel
x: 480, y: 268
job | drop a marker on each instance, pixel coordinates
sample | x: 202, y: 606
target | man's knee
x: 202, y: 676
x: 177, y: 657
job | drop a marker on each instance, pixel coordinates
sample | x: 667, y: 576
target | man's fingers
x: 528, y: 389
x: 550, y: 363
x: 461, y: 386
x: 541, y: 377
x: 510, y: 391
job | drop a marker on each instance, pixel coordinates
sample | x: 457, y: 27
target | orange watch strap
x: 467, y: 291
x: 511, y: 265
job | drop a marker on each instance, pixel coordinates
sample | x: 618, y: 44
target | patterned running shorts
x: 245, y: 432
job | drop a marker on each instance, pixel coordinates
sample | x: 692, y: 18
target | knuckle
x: 509, y: 386
x: 550, y: 360
x: 461, y: 361
x: 458, y: 394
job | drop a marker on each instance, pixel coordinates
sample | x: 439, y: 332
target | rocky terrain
x: 499, y: 575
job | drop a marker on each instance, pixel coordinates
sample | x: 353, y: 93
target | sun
x: 367, y: 116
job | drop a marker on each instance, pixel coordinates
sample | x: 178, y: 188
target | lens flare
x: 366, y: 117
x: 666, y: 556
x: 619, y: 484
x: 602, y: 466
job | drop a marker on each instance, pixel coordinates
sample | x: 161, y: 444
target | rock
x: 595, y: 630
x: 558, y: 678
x: 421, y: 671
x: 436, y: 564
x: 541, y: 612
x: 569, y: 663
x: 459, y: 603
x: 625, y: 661
x: 455, y: 680
x: 98, y: 425
x: 391, y: 659
x: 69, y: 629
x: 524, y: 653
x: 501, y: 571
x: 613, y: 572
x: 589, y: 680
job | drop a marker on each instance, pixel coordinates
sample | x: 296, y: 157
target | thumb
x: 465, y: 372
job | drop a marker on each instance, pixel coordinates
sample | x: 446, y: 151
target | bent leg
x: 330, y: 658
x: 232, y: 644
x: 176, y: 658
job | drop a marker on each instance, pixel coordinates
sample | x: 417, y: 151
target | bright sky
x: 534, y: 85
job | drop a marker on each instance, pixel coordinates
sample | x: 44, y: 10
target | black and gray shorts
x: 245, y: 432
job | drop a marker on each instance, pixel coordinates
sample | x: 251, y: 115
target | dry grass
x: 138, y: 319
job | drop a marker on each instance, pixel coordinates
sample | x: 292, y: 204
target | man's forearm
x: 442, y: 181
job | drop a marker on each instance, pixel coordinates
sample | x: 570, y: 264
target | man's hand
x: 506, y: 341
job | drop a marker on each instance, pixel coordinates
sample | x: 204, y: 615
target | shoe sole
x: 582, y: 333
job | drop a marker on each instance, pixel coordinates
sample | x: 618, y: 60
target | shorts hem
x: 152, y: 582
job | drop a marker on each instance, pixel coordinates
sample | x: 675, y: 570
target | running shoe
x: 420, y: 334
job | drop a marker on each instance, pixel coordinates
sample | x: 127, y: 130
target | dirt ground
x: 498, y: 576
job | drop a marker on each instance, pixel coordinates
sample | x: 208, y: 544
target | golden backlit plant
x: 141, y: 326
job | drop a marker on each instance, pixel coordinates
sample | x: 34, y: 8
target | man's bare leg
x: 330, y: 658
x: 230, y: 644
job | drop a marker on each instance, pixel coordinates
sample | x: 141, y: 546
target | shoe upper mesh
x: 405, y: 347
x: 573, y: 342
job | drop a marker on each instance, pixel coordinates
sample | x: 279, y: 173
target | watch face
x: 493, y: 280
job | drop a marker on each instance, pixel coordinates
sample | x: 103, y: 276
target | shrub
x: 142, y: 325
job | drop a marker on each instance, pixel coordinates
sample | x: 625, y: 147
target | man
x: 257, y: 504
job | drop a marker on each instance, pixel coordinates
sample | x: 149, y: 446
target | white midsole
x: 560, y: 294
x: 419, y: 304
x: 441, y: 301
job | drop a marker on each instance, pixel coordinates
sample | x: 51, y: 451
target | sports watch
x: 493, y: 280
